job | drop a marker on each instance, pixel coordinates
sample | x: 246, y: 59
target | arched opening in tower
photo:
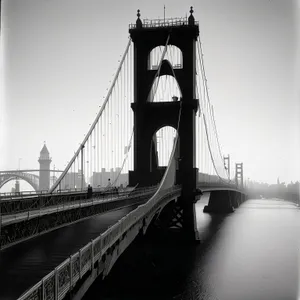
x: 163, y: 141
x: 165, y: 89
x: 173, y: 55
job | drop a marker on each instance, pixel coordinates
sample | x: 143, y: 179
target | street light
x: 19, y: 164
x: 87, y: 172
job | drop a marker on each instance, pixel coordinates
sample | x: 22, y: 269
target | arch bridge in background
x: 32, y: 179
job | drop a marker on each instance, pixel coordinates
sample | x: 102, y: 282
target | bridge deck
x: 18, y: 217
x: 24, y: 264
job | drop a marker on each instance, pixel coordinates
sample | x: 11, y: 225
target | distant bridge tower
x: 239, y: 176
x: 149, y: 117
x: 44, y: 160
x: 17, y: 186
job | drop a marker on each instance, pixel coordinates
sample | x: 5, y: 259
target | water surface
x: 252, y: 254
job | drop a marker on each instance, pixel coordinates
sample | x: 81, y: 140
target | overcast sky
x: 58, y: 57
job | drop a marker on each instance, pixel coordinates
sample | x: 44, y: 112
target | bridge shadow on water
x: 159, y: 265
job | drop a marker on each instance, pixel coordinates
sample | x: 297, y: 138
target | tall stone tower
x: 149, y: 116
x: 44, y: 161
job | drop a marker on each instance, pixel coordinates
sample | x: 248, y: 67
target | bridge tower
x: 149, y: 117
x: 239, y: 176
x: 44, y: 160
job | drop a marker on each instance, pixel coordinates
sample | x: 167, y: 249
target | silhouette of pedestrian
x: 89, y: 192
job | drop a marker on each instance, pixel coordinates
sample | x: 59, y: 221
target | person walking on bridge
x: 89, y: 192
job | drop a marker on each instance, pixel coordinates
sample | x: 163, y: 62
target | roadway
x: 24, y: 264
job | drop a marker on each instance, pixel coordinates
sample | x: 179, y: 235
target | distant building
x: 44, y: 160
x: 101, y: 179
x: 52, y: 180
x: 72, y: 180
x: 16, y: 189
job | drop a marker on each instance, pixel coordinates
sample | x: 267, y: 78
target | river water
x: 252, y: 254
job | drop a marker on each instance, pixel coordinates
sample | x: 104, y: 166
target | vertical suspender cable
x: 95, y: 121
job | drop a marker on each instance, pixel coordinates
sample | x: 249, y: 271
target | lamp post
x: 17, y: 187
x: 87, y: 173
x: 19, y: 163
x: 53, y: 174
x: 227, y: 164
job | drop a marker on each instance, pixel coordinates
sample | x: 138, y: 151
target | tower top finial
x: 138, y: 22
x: 191, y: 20
x: 44, y: 154
x: 44, y: 149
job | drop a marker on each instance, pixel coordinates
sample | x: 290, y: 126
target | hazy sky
x: 58, y: 57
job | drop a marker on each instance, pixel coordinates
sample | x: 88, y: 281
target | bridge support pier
x: 235, y: 198
x: 222, y: 202
x: 187, y: 176
x: 189, y: 220
x: 243, y: 198
x: 179, y: 217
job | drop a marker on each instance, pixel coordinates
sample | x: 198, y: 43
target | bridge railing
x: 168, y: 22
x: 60, y: 281
x: 64, y: 199
x: 217, y: 184
x: 25, y: 194
x: 212, y: 186
x: 11, y: 195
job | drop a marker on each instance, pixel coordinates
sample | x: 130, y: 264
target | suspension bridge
x: 156, y: 128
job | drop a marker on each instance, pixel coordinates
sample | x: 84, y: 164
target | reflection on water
x: 254, y: 254
x: 250, y: 254
x: 204, y: 221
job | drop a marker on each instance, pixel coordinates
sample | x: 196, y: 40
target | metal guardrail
x: 169, y: 22
x: 216, y: 181
x: 21, y: 194
x: 175, y: 67
x: 24, y: 194
x: 220, y: 186
x: 39, y: 202
x: 15, y: 230
x: 60, y: 281
x: 42, y: 201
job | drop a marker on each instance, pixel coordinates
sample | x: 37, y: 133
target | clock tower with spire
x: 44, y: 161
